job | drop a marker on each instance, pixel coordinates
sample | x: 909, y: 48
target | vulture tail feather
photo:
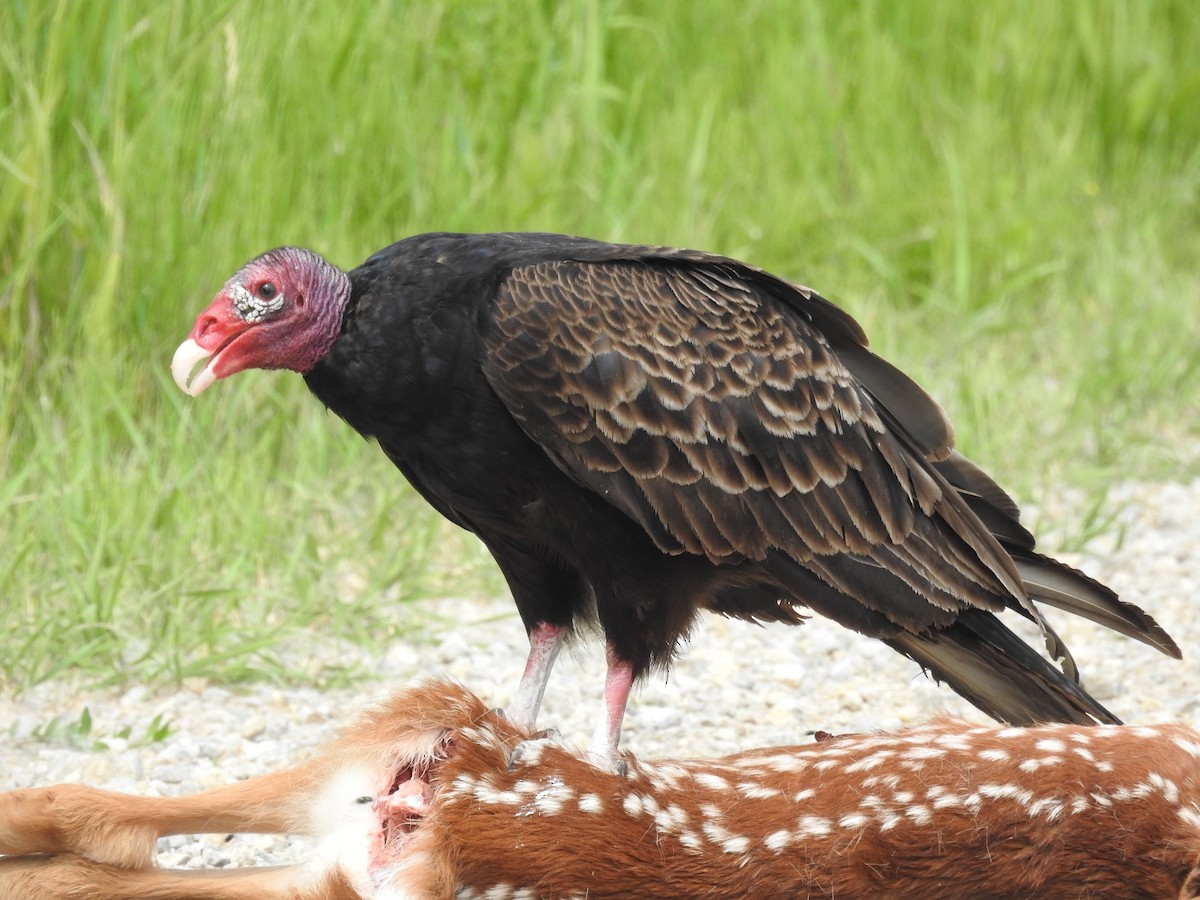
x: 999, y: 673
x: 1057, y: 584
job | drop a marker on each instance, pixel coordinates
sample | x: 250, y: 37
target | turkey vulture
x: 638, y: 433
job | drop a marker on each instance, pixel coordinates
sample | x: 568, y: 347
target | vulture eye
x: 267, y: 290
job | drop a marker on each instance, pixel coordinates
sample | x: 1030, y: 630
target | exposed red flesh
x: 401, y: 809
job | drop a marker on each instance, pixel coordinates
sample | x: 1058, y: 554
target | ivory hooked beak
x: 185, y: 359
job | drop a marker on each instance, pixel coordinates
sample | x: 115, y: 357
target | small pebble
x: 253, y: 727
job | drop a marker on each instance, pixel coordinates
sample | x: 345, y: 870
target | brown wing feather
x: 724, y: 422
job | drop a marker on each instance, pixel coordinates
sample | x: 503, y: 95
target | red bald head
x: 282, y: 310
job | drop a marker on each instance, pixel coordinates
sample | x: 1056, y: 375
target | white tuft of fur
x: 347, y: 825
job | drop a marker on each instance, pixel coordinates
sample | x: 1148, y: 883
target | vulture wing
x: 735, y: 416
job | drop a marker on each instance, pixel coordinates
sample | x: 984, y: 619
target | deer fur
x: 423, y: 797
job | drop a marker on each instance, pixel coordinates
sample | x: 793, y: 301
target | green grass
x: 1005, y: 194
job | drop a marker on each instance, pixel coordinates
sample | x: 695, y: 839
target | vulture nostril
x: 204, y: 325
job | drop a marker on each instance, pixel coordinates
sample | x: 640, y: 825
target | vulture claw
x: 529, y: 752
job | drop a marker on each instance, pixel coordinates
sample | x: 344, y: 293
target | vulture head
x: 282, y: 310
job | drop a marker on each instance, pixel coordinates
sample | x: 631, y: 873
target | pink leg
x: 617, y: 684
x: 544, y: 643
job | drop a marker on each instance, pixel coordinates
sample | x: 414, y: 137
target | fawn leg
x: 69, y: 875
x: 122, y: 829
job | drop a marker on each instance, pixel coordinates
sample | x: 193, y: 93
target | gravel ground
x: 734, y: 686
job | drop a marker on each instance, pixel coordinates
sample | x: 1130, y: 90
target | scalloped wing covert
x: 724, y: 423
